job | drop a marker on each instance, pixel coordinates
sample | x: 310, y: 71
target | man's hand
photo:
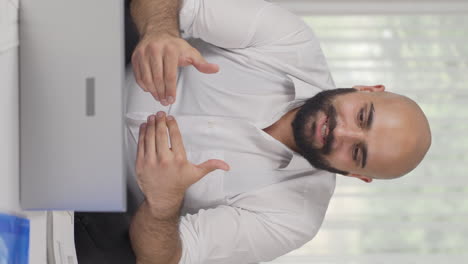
x: 155, y: 61
x: 164, y: 173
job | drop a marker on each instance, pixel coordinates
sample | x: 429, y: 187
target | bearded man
x: 247, y: 171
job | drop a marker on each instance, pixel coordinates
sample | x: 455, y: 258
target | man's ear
x: 374, y: 88
x: 359, y: 176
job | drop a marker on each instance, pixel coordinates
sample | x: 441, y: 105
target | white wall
x: 9, y: 132
x: 9, y: 138
x: 325, y: 7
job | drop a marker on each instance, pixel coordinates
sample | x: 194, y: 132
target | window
x: 422, y: 217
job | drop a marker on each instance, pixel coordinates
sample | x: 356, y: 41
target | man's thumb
x: 211, y: 165
x: 205, y: 67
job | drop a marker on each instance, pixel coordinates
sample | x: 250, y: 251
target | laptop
x: 72, y: 105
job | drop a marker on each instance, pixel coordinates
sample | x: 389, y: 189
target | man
x: 230, y: 181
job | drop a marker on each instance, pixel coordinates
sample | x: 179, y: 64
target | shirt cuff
x: 187, y: 16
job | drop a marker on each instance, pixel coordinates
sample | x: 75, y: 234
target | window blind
x: 422, y: 217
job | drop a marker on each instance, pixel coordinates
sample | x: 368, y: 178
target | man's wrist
x: 155, y: 238
x: 151, y: 30
x: 156, y: 16
x: 165, y: 208
x: 159, y: 35
x: 154, y: 27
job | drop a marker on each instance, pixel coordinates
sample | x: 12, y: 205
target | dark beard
x: 320, y: 102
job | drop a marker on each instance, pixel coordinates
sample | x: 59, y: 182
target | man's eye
x: 355, y: 152
x: 361, y: 116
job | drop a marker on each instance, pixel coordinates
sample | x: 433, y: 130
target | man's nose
x: 348, y: 133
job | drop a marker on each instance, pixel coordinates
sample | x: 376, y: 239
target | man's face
x: 313, y: 125
x: 353, y: 132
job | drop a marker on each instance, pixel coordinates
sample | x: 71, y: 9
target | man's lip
x: 318, y: 131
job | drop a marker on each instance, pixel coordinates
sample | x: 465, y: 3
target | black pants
x: 102, y: 238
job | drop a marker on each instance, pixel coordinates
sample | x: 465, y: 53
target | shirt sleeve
x: 232, y: 235
x: 237, y: 23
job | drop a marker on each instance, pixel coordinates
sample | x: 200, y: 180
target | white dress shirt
x: 272, y: 200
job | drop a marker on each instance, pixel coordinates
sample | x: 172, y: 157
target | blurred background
x: 418, y: 48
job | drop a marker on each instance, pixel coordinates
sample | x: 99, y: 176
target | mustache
x: 331, y: 114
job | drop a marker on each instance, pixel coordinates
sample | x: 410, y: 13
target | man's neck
x: 282, y: 130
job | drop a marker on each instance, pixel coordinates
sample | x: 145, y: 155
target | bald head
x: 408, y: 135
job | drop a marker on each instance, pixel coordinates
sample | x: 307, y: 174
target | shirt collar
x: 304, y: 89
x: 298, y: 162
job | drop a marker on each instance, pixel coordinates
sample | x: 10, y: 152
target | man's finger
x: 141, y: 145
x: 170, y: 76
x: 146, y: 75
x: 196, y: 59
x: 211, y: 165
x: 137, y: 71
x: 206, y: 67
x: 158, y: 78
x: 162, y: 144
x: 155, y: 95
x: 150, y: 148
x: 177, y: 143
x: 201, y: 64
